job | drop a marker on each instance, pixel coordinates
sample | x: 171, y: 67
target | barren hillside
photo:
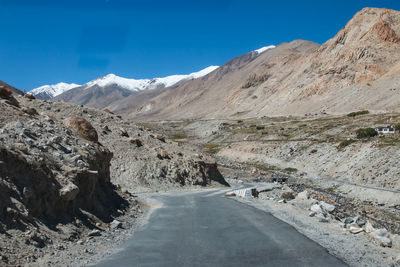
x: 357, y: 69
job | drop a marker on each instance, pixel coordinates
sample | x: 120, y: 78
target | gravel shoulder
x: 355, y: 250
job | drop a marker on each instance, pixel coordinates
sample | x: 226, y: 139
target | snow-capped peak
x: 263, y: 49
x: 54, y: 89
x: 144, y: 84
x: 109, y: 79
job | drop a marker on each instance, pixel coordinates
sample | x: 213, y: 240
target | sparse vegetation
x: 357, y: 113
x: 366, y: 133
x: 211, y: 148
x: 397, y: 127
x: 175, y: 136
x: 290, y: 170
x: 255, y: 79
x: 345, y: 143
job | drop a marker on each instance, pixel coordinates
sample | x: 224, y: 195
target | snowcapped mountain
x: 263, y: 49
x: 135, y: 85
x: 46, y: 92
x: 111, y: 89
x: 145, y: 84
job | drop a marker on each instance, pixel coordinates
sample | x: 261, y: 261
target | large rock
x: 382, y: 237
x: 7, y: 95
x: 69, y: 192
x: 81, y: 127
x: 5, y: 92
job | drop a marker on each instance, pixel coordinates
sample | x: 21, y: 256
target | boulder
x: 327, y: 207
x: 161, y: 138
x: 30, y: 111
x: 396, y: 241
x: 29, y: 96
x: 123, y: 132
x: 382, y: 237
x: 316, y: 208
x: 369, y: 228
x: 5, y: 92
x: 69, y: 192
x: 303, y: 195
x: 287, y: 195
x: 108, y: 111
x: 81, y: 127
x: 355, y: 229
x: 7, y: 95
x: 94, y: 232
x: 163, y: 155
x: 136, y: 142
x: 115, y: 224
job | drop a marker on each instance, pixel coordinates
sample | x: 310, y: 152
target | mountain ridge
x: 342, y: 75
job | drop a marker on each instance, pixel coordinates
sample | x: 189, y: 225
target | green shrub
x: 397, y: 127
x: 239, y: 121
x: 260, y: 127
x: 290, y: 170
x: 345, y: 143
x: 366, y: 133
x: 357, y: 113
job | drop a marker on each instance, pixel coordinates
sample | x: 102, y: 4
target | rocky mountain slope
x: 357, y: 69
x: 66, y: 172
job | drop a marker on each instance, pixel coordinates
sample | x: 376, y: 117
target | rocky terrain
x: 68, y: 174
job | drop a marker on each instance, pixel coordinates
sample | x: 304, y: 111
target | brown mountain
x: 357, y: 69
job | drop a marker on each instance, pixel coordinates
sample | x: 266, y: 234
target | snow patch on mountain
x: 54, y: 89
x: 263, y: 49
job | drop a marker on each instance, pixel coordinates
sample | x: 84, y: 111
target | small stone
x: 115, y: 224
x: 287, y: 195
x: 123, y: 132
x: 161, y: 138
x: 396, y: 241
x: 383, y: 241
x: 94, y: 232
x: 316, y: 208
x: 348, y: 220
x: 312, y: 214
x: 326, y: 206
x: 19, y: 124
x: 355, y: 230
x: 323, y: 220
x: 360, y: 222
x: 303, y: 195
x: 136, y: 142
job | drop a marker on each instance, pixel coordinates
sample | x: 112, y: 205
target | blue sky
x: 48, y: 41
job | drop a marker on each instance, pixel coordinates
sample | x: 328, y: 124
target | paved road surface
x: 204, y: 229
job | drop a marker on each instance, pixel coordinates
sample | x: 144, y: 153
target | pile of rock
x: 355, y: 225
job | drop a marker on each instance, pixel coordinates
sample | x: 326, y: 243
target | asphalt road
x: 203, y: 229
